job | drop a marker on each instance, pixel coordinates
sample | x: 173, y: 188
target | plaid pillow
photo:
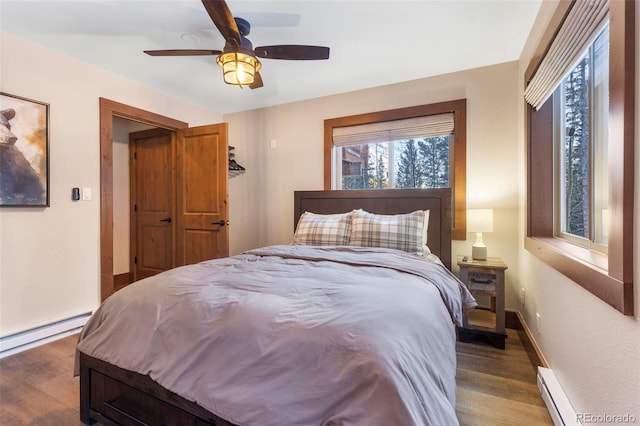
x: 406, y: 232
x: 323, y: 229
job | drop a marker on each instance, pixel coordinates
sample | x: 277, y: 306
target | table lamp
x: 479, y: 221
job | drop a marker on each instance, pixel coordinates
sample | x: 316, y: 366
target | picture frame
x: 24, y: 152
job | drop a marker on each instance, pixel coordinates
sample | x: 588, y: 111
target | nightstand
x: 484, y: 278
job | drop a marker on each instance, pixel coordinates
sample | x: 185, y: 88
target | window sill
x: 587, y: 268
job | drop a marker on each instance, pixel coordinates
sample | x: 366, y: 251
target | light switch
x: 86, y: 194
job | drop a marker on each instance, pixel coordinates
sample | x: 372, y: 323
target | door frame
x: 108, y: 110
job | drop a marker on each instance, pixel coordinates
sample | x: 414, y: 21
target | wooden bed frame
x: 114, y: 396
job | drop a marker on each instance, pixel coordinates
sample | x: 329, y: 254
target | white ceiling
x: 372, y: 43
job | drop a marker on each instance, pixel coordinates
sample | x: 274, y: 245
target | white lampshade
x: 479, y: 221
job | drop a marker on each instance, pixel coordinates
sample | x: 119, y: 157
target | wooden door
x: 202, y: 194
x: 152, y: 202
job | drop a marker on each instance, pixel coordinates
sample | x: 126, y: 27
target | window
x: 581, y: 113
x: 571, y: 234
x: 415, y: 147
x: 410, y: 153
x: 405, y: 163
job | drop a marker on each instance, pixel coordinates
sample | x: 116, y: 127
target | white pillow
x: 323, y: 229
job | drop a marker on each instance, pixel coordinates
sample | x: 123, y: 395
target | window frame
x: 457, y: 170
x: 607, y: 276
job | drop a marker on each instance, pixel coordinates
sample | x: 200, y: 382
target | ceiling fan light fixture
x: 239, y: 60
x: 238, y: 68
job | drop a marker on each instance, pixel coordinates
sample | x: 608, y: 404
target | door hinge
x: 135, y: 207
x: 135, y: 155
x: 135, y: 260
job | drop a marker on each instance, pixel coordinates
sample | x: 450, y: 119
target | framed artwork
x: 24, y: 152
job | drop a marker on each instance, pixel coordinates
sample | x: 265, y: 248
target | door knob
x: 168, y: 220
x: 221, y: 223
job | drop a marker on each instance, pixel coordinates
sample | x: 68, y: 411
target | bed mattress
x: 294, y: 335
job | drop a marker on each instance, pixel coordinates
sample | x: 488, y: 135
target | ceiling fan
x: 239, y: 60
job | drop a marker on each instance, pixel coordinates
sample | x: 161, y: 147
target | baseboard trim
x: 22, y: 341
x: 514, y: 320
x: 122, y: 280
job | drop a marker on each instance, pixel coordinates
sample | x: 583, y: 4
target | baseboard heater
x: 24, y: 340
x: 560, y: 409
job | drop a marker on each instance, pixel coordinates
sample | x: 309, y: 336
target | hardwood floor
x: 37, y: 386
x: 495, y: 387
x: 498, y: 387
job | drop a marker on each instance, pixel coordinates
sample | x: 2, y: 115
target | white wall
x: 593, y: 349
x: 49, y: 257
x: 262, y: 199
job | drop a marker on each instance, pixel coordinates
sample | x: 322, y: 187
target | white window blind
x: 579, y: 30
x: 410, y: 128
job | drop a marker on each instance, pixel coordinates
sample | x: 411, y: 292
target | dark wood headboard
x: 387, y: 201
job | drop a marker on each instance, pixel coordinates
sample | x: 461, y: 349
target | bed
x: 296, y: 334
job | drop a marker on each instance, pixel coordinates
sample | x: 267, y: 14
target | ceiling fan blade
x: 292, y: 52
x: 223, y: 19
x: 182, y: 52
x: 257, y: 81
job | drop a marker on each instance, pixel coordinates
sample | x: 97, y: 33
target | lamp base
x: 479, y: 253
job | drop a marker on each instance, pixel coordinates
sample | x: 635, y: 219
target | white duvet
x: 294, y: 335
